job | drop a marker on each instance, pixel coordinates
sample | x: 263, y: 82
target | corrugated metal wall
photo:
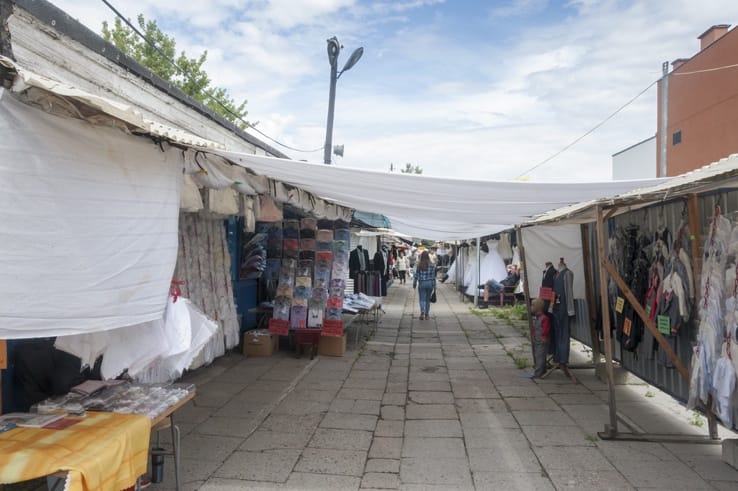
x: 644, y: 361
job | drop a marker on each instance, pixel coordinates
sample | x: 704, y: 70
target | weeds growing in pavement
x: 649, y: 393
x: 521, y: 363
x: 697, y: 420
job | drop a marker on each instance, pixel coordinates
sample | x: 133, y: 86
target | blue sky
x: 473, y: 89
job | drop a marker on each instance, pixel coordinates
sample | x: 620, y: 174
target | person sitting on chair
x: 494, y: 287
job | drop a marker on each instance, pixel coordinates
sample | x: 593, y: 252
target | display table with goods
x: 102, y: 440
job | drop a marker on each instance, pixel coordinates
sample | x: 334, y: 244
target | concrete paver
x: 425, y: 405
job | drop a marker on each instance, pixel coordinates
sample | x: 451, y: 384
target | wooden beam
x: 646, y: 320
x: 607, y: 334
x: 695, y: 229
x: 589, y: 293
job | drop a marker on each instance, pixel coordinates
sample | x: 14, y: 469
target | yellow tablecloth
x: 104, y: 451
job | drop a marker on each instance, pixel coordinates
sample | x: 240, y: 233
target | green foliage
x: 697, y: 420
x: 521, y: 363
x: 649, y: 394
x: 192, y: 79
x: 411, y: 169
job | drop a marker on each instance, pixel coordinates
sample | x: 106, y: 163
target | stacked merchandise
x: 307, y: 300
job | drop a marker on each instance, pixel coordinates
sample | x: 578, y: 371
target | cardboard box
x: 332, y: 345
x: 259, y: 342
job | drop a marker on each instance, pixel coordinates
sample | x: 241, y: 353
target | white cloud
x: 488, y: 95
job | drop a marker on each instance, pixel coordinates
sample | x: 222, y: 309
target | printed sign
x: 627, y: 326
x: 619, y: 305
x: 333, y: 328
x: 664, y: 324
x: 279, y: 326
x: 545, y: 293
x: 3, y: 354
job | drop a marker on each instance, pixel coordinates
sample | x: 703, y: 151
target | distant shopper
x: 425, y: 281
x: 402, y: 265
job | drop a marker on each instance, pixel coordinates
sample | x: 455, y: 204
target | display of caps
x: 324, y: 256
x: 340, y: 247
x: 335, y: 292
x: 324, y: 246
x: 309, y: 223
x: 284, y: 291
x: 306, y: 281
x: 320, y: 293
x: 291, y: 233
x: 308, y: 244
x: 291, y: 224
x: 307, y: 255
x: 342, y: 234
x: 335, y: 302
x: 286, y: 278
x: 339, y: 271
x: 324, y: 235
x: 291, y: 253
x: 341, y: 224
x: 289, y: 263
x: 305, y: 263
x: 291, y: 244
x: 299, y: 302
x: 338, y: 283
x: 319, y: 283
x: 320, y: 274
x: 316, y: 311
x: 308, y: 234
x: 334, y: 314
x: 302, y: 271
x: 302, y: 291
x: 298, y: 317
x: 282, y: 306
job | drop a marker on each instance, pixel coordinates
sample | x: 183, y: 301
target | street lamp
x: 334, y: 48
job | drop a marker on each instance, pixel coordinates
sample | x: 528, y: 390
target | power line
x: 592, y: 130
x: 189, y: 78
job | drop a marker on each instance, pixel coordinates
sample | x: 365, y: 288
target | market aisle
x: 434, y: 404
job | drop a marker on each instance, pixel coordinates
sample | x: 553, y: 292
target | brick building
x: 701, y: 110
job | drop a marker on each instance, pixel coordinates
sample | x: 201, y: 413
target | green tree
x: 188, y: 74
x: 411, y: 169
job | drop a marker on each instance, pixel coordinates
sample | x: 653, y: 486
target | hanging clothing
x: 504, y: 247
x: 563, y: 310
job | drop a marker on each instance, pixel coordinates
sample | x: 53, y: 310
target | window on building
x: 676, y: 137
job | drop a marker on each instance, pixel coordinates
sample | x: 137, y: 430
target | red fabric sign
x: 332, y: 328
x: 279, y: 326
x: 546, y: 293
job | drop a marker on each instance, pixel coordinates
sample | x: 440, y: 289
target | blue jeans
x: 425, y: 288
x: 494, y: 286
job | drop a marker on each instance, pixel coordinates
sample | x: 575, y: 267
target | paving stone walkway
x: 425, y: 405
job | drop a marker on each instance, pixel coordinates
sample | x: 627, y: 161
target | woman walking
x: 425, y: 280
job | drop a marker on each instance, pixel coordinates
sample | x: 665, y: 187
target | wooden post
x: 589, y: 292
x: 526, y: 289
x: 612, y: 428
x: 647, y: 321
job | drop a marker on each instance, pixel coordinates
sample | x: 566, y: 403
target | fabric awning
x: 432, y: 207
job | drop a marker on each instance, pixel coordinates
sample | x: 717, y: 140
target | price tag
x: 619, y: 305
x: 664, y: 324
x: 332, y: 328
x: 627, y: 326
x: 545, y: 293
x: 279, y: 326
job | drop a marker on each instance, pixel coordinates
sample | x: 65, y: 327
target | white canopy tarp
x: 88, y: 225
x: 432, y: 207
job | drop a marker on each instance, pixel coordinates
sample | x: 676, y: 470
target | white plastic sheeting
x: 550, y: 243
x: 88, y: 234
x: 432, y: 207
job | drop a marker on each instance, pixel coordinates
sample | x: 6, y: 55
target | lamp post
x: 334, y: 48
